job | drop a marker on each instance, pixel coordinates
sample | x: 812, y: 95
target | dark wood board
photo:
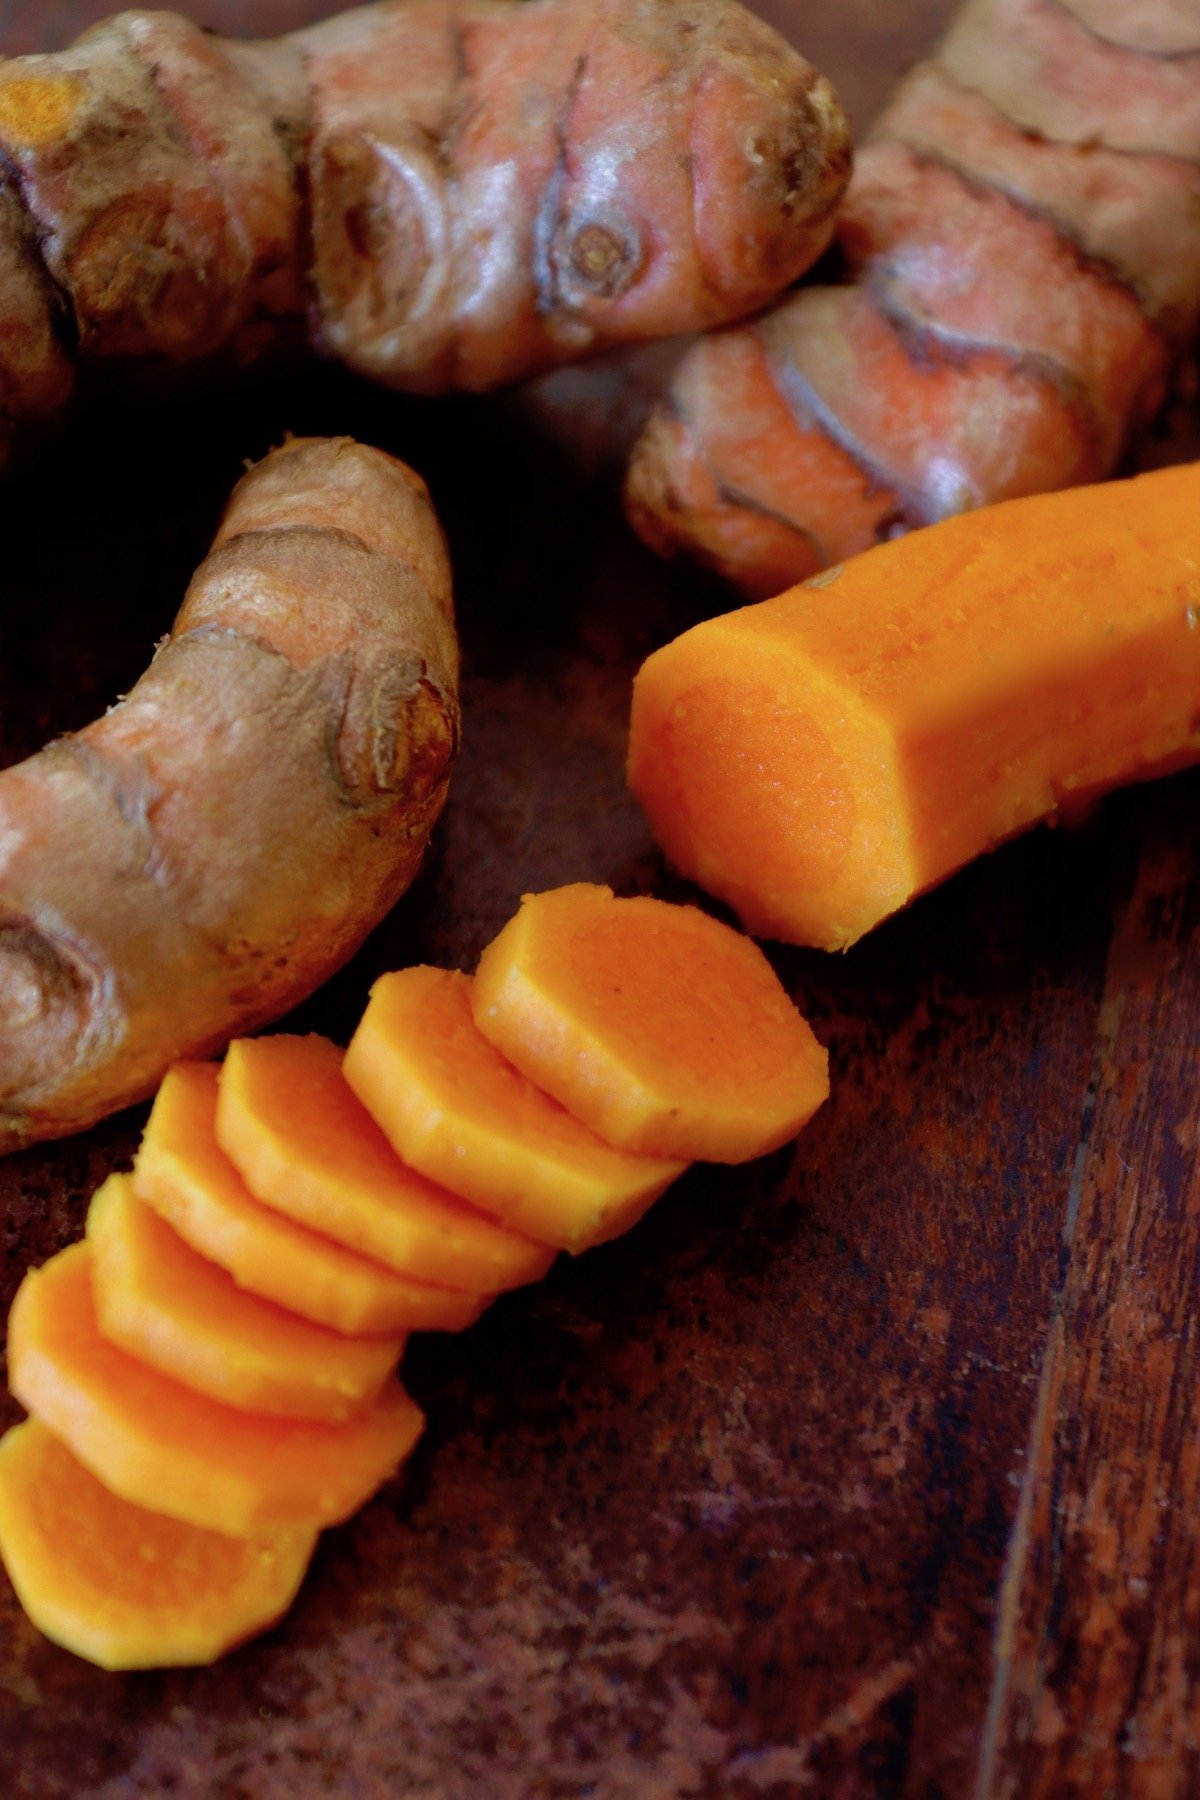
x: 873, y: 1469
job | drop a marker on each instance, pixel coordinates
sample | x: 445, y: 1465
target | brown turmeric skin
x: 218, y: 843
x: 442, y: 194
x: 1021, y: 243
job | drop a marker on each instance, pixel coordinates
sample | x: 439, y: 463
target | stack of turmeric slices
x: 210, y: 1374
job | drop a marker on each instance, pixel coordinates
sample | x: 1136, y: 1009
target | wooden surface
x: 871, y: 1470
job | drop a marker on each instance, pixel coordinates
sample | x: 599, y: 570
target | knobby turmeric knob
x: 46, y: 1000
x: 445, y: 194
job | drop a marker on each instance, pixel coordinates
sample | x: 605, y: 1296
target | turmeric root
x: 1022, y: 250
x: 818, y: 759
x: 125, y: 1587
x: 441, y: 193
x: 213, y: 848
x: 663, y: 1030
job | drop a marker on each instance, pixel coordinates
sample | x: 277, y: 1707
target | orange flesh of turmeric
x: 158, y: 1444
x: 125, y: 1587
x: 161, y: 1302
x: 305, y: 1145
x: 819, y: 759
x: 184, y: 1174
x: 664, y: 1030
x: 36, y: 109
x: 454, y: 1108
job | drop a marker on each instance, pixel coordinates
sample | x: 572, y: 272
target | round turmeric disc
x: 124, y: 1587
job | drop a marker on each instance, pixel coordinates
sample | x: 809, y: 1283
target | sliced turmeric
x: 306, y: 1145
x: 177, y: 1312
x: 182, y: 1172
x: 819, y: 759
x: 158, y: 1444
x: 124, y: 1587
x: 454, y: 1108
x: 662, y: 1029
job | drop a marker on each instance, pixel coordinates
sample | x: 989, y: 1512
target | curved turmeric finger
x: 222, y: 839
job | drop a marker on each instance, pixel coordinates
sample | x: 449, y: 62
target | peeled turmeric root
x: 819, y: 759
x: 441, y: 194
x: 663, y: 1030
x: 453, y: 1107
x: 218, y: 843
x: 125, y: 1587
x: 182, y: 1172
x: 1021, y: 243
x: 159, y: 1445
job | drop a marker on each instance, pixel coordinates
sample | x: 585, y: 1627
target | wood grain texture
x: 869, y: 1470
x: 1098, y: 1679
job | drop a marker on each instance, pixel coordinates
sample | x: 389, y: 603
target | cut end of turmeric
x: 768, y: 784
x: 125, y: 1587
x: 456, y: 1109
x: 667, y: 1032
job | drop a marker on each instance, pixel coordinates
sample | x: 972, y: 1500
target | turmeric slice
x: 662, y: 1029
x: 158, y: 1444
x: 819, y: 759
x: 124, y: 1587
x: 305, y: 1144
x: 457, y: 1110
x: 182, y: 1172
x: 180, y: 1314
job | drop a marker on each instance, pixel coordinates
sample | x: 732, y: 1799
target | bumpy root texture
x: 306, y: 1145
x: 441, y: 193
x: 172, y: 1309
x: 819, y: 759
x: 124, y: 1587
x: 182, y: 1172
x: 456, y: 1109
x: 1022, y: 249
x: 160, y: 1445
x: 207, y: 853
x: 662, y: 1029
